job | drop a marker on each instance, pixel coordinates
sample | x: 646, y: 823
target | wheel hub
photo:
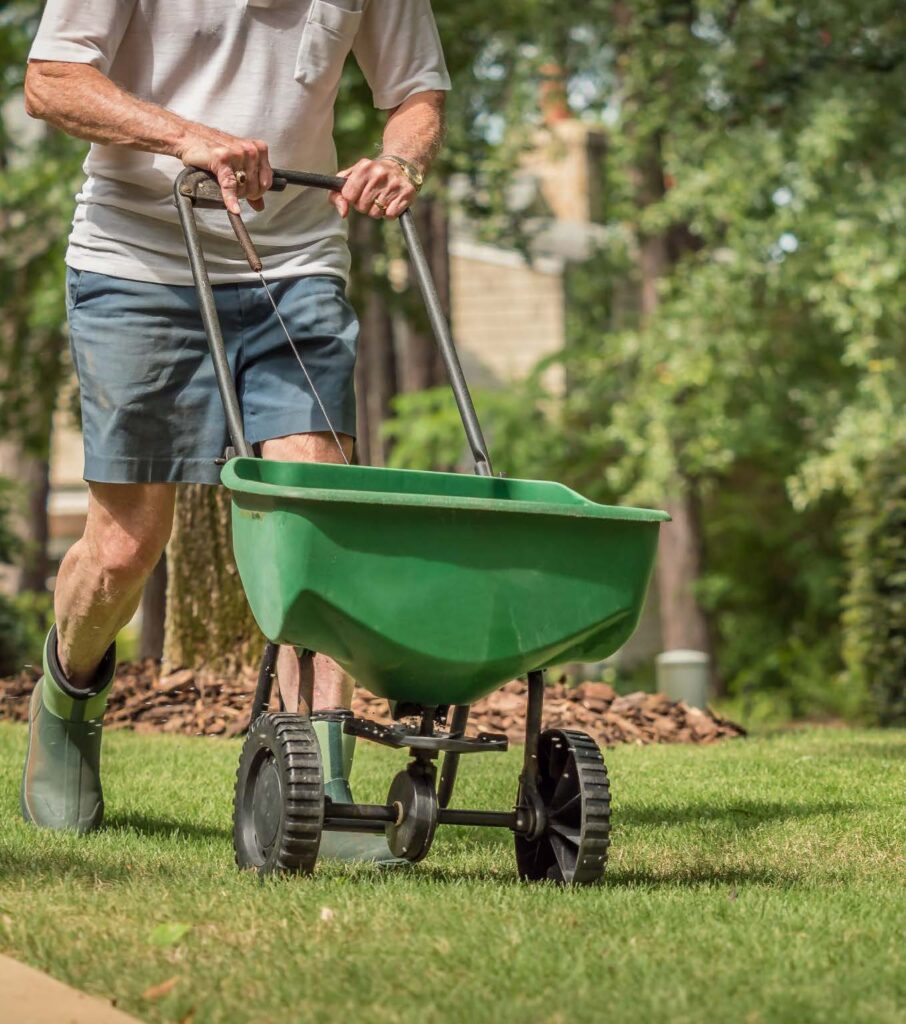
x: 267, y: 804
x: 413, y: 795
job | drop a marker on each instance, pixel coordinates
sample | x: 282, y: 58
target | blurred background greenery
x: 734, y: 323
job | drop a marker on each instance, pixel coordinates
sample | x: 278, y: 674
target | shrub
x: 24, y: 622
x: 874, y: 616
x: 26, y: 618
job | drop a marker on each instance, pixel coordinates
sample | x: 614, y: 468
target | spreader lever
x: 242, y: 234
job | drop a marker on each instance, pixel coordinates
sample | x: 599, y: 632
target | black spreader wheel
x: 575, y: 795
x: 279, y: 810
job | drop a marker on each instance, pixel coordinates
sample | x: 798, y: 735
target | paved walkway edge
x: 31, y: 997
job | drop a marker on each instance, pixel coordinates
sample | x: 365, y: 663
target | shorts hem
x: 106, y: 470
x: 316, y: 423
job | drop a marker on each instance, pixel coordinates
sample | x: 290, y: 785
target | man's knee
x: 128, y: 528
x: 315, y: 447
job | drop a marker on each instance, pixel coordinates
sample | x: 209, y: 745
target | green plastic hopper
x: 436, y: 588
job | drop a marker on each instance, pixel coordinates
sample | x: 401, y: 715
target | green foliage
x: 427, y: 432
x: 24, y: 623
x: 26, y: 618
x: 168, y: 933
x: 874, y: 618
x: 11, y: 637
x: 9, y: 542
x: 38, y: 178
x: 775, y: 351
x: 765, y: 144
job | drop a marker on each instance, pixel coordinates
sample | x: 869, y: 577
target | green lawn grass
x: 755, y: 881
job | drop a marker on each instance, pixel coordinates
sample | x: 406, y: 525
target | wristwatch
x: 415, y: 176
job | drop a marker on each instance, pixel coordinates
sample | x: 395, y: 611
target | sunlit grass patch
x: 757, y: 880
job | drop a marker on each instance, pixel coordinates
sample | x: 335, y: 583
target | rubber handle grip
x: 308, y: 179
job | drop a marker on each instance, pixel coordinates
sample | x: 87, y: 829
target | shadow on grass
x: 168, y: 828
x: 703, y: 876
x: 53, y: 865
x: 87, y: 866
x: 880, y: 751
x: 742, y: 814
x: 88, y: 862
x: 614, y: 878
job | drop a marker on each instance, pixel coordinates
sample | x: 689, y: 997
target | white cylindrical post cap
x: 683, y: 657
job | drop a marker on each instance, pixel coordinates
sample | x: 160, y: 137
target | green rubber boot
x: 61, y: 783
x: 337, y: 751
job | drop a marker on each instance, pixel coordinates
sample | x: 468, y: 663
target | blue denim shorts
x: 151, y: 412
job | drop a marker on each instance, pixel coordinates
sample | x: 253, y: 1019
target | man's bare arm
x: 81, y: 101
x: 414, y: 132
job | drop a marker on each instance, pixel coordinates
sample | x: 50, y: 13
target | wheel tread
x: 594, y: 789
x: 291, y: 741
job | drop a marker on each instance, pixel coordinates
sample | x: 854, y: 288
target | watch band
x: 415, y: 176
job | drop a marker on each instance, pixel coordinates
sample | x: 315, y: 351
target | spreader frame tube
x: 225, y: 383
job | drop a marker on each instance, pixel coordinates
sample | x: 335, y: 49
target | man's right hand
x: 241, y: 165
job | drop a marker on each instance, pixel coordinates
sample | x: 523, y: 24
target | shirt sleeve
x: 82, y: 31
x: 399, y: 51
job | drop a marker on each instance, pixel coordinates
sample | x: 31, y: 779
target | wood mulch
x: 194, y: 704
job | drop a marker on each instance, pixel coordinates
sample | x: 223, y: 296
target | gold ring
x: 241, y: 178
x: 381, y: 206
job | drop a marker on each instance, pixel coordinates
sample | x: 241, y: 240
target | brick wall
x: 507, y: 314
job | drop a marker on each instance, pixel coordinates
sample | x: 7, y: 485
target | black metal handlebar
x: 307, y: 179
x: 196, y: 187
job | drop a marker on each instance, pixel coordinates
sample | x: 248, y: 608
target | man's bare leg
x: 98, y: 589
x: 100, y: 581
x: 327, y: 685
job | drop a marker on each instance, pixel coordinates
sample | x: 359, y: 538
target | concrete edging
x: 30, y: 996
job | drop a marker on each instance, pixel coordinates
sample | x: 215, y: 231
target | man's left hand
x: 379, y: 188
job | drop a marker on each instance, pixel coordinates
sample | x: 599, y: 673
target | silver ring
x: 241, y: 178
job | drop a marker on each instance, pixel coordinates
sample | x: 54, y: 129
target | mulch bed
x: 194, y: 704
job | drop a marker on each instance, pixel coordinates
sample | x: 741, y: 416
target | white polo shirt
x: 267, y: 69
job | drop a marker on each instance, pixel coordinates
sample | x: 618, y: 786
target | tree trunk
x: 154, y: 608
x: 376, y: 373
x: 683, y: 623
x: 362, y: 452
x: 376, y: 370
x: 34, y: 561
x: 679, y: 565
x: 208, y: 623
x: 30, y: 477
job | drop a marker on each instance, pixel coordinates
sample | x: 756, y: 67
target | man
x: 228, y: 85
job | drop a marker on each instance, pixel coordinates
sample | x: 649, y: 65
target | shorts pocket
x: 73, y: 283
x: 326, y: 41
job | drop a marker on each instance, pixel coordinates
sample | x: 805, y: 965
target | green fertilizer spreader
x: 432, y: 590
